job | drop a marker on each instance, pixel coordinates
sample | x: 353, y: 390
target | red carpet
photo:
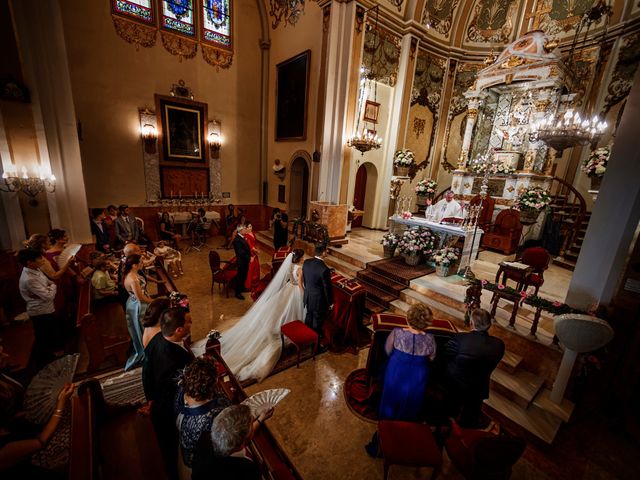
x: 361, y: 399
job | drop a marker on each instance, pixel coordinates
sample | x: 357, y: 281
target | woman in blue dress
x: 410, y: 350
x: 136, y: 307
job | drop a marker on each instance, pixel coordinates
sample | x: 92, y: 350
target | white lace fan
x: 42, y: 393
x: 263, y: 401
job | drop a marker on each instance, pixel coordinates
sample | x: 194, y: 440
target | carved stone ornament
x: 180, y: 46
x: 181, y: 90
x: 217, y: 57
x: 419, y: 126
x: 134, y: 32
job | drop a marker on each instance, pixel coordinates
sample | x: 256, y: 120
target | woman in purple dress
x: 410, y: 350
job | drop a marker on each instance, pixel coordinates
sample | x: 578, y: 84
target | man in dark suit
x: 318, y: 292
x: 243, y: 258
x: 471, y: 358
x: 99, y: 230
x: 165, y: 357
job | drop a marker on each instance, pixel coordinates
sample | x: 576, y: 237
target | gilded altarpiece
x: 426, y: 100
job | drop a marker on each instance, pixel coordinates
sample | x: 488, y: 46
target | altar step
x: 345, y: 268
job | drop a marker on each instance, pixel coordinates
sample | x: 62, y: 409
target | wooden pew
x: 105, y: 349
x: 266, y: 450
x: 110, y: 442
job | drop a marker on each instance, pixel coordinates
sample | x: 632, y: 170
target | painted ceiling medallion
x: 439, y: 14
x: 492, y: 21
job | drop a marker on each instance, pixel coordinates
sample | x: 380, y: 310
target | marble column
x: 615, y: 216
x: 472, y: 115
x: 40, y: 35
x: 340, y: 33
x: 405, y: 77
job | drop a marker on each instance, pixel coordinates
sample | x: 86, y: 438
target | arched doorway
x: 364, y: 193
x: 298, y: 188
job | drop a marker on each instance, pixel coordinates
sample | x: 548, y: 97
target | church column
x: 12, y: 236
x: 405, y: 77
x: 472, y: 115
x: 340, y: 34
x: 541, y: 106
x: 42, y: 46
x: 615, y: 216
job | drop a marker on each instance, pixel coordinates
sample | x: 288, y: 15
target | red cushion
x: 387, y: 321
x: 535, y: 280
x: 407, y: 443
x: 225, y: 276
x: 299, y: 333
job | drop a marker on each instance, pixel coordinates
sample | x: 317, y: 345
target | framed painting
x: 182, y: 130
x: 292, y: 92
x: 371, y: 110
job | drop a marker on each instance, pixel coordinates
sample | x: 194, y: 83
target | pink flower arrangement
x: 483, y: 282
x: 524, y: 294
x: 596, y: 164
x: 557, y: 304
x: 406, y: 215
x: 500, y: 286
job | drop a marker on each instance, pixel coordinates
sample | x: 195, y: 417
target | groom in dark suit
x: 318, y: 293
x: 243, y: 257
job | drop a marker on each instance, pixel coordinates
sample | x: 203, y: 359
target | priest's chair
x: 486, y: 214
x: 536, y: 257
x: 504, y: 234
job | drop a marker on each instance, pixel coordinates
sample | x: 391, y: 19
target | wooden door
x: 359, y: 193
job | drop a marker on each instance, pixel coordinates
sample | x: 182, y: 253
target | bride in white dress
x: 251, y: 347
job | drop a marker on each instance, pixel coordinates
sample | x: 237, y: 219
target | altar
x: 446, y: 233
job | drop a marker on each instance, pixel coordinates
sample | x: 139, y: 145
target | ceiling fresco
x: 493, y: 21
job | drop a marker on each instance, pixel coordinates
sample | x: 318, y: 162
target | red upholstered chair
x: 483, y: 455
x: 222, y: 275
x: 409, y: 444
x: 505, y: 232
x: 486, y: 214
x: 301, y: 336
x: 536, y: 257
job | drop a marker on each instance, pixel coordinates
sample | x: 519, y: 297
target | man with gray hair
x: 222, y: 454
x: 471, y: 358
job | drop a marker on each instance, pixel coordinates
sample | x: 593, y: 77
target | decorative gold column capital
x: 462, y: 159
x: 529, y: 158
x: 472, y: 113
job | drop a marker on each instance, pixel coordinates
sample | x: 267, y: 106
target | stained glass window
x: 138, y: 9
x: 216, y: 22
x: 177, y: 16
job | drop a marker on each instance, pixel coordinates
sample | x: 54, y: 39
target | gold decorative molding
x: 467, y: 185
x: 216, y: 57
x: 134, y: 32
x: 180, y: 46
x: 510, y: 188
x: 472, y: 113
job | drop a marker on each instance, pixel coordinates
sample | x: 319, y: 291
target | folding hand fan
x: 263, y: 401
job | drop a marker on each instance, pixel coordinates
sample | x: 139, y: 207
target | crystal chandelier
x: 567, y: 130
x: 30, y: 185
x: 366, y: 139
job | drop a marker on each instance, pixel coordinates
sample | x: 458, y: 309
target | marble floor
x: 313, y: 424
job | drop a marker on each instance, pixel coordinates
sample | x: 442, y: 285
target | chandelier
x: 30, y: 185
x: 568, y: 130
x: 365, y: 139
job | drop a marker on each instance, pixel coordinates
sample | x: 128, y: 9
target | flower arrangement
x: 446, y: 256
x: 532, y: 199
x: 596, y: 164
x: 404, y: 158
x: 480, y: 165
x: 417, y: 241
x: 406, y: 215
x: 390, y: 240
x: 426, y: 188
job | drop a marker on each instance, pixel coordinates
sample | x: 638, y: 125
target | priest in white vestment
x: 445, y: 208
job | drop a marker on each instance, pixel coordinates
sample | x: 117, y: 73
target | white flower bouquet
x: 532, y: 199
x: 390, y: 240
x: 446, y: 256
x: 596, y: 164
x: 426, y: 188
x: 404, y: 158
x: 417, y: 240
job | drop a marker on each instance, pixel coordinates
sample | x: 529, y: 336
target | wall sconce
x: 215, y: 139
x: 30, y: 185
x: 149, y: 137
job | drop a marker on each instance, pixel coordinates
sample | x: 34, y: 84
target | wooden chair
x: 504, y: 234
x: 409, y: 444
x: 222, y: 275
x: 538, y: 258
x: 486, y: 214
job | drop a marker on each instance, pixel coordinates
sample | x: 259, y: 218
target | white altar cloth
x: 448, y: 231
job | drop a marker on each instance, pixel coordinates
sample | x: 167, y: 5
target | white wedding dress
x: 251, y: 347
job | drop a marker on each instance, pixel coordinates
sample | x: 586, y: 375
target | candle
x: 171, y: 194
x: 180, y: 194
